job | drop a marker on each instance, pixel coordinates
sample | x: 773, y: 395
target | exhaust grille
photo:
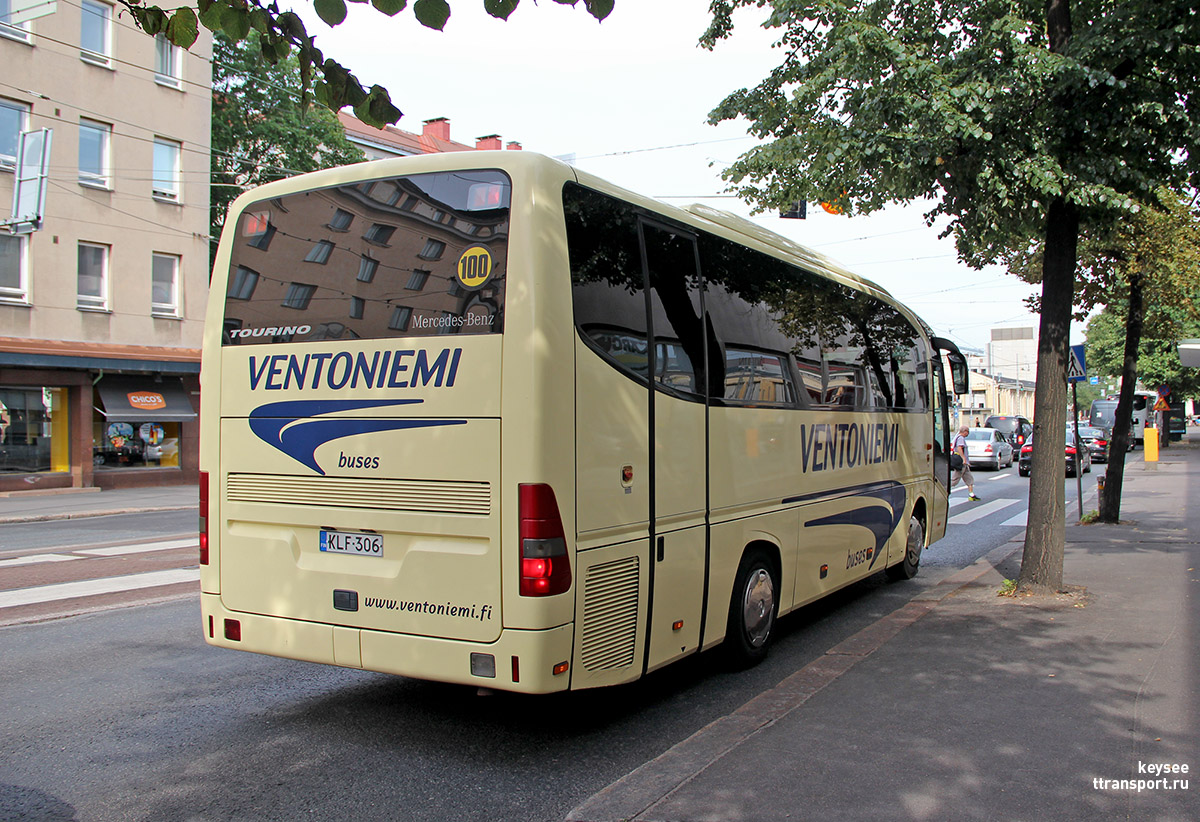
x: 610, y: 613
x: 416, y: 496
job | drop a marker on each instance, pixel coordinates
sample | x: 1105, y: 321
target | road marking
x: 35, y: 559
x: 982, y: 511
x: 93, y: 587
x: 139, y: 548
x: 999, y: 476
x: 1019, y: 521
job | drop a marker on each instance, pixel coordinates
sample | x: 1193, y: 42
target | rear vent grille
x: 417, y: 496
x: 610, y: 612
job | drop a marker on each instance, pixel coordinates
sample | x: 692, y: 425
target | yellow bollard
x: 1150, y: 444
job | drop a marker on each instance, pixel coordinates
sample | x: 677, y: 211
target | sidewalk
x: 965, y: 705
x: 73, y: 503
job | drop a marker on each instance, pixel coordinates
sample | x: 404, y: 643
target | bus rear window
x: 415, y: 256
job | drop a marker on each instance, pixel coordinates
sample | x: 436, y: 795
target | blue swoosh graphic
x: 880, y: 521
x: 296, y: 429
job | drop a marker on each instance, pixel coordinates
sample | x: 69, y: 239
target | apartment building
x: 102, y: 308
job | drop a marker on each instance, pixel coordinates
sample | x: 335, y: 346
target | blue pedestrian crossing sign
x: 1076, y: 371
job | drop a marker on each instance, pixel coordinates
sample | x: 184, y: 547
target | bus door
x: 678, y: 465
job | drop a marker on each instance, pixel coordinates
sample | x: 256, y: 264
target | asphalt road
x: 127, y: 714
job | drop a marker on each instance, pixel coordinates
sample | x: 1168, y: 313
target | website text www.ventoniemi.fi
x: 1151, y: 776
x: 482, y: 613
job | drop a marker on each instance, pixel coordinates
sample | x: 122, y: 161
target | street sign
x: 1162, y: 405
x: 1076, y: 372
x: 1094, y: 380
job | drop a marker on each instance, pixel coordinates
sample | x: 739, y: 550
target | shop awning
x: 135, y: 399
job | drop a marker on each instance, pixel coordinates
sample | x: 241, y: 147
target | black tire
x: 907, y: 568
x: 753, y: 610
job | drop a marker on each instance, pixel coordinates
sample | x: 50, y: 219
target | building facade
x: 102, y: 308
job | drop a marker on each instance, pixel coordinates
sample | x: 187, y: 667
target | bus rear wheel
x: 908, y: 567
x: 752, y: 610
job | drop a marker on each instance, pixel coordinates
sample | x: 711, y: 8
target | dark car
x: 1096, y: 440
x: 1016, y: 429
x: 1077, y: 458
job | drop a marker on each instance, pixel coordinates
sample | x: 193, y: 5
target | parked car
x: 1077, y: 458
x: 1016, y: 429
x: 1096, y: 440
x: 989, y: 447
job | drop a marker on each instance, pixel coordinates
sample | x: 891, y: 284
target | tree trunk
x: 1118, y: 443
x: 1042, y: 561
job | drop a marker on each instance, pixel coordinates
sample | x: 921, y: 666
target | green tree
x: 1023, y: 120
x: 281, y: 35
x: 1145, y: 271
x: 261, y: 131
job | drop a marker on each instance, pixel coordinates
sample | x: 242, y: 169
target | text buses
x: 483, y: 418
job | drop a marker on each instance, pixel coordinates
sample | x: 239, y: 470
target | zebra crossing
x: 964, y: 512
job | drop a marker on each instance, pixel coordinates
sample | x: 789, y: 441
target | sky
x: 628, y: 98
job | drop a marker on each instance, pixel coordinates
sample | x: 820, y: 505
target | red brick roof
x: 404, y: 142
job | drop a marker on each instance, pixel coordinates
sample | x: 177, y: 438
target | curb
x: 639, y: 791
x: 14, y: 520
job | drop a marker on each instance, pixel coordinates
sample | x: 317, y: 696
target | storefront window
x: 135, y: 444
x: 33, y: 430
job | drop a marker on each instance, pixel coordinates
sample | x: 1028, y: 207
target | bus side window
x: 607, y: 285
x: 750, y: 299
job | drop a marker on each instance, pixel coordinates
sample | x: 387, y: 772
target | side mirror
x: 958, y: 364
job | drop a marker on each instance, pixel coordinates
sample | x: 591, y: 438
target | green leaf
x: 333, y: 12
x: 235, y: 23
x: 599, y: 8
x: 210, y: 15
x: 389, y: 7
x: 377, y: 109
x: 153, y: 20
x: 432, y: 14
x: 500, y: 8
x: 183, y: 28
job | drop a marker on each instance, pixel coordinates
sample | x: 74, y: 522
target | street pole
x: 1078, y: 445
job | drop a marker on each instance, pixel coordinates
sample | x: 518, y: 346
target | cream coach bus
x: 483, y: 418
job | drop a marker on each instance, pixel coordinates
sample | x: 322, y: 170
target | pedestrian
x: 963, y: 473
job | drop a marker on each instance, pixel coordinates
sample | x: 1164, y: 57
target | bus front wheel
x: 752, y: 609
x: 908, y: 567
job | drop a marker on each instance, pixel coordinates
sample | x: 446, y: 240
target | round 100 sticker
x: 474, y: 268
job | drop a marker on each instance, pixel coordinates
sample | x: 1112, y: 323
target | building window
x: 357, y: 306
x: 95, y: 35
x: 165, y: 184
x: 299, y: 295
x: 341, y: 220
x: 244, y: 282
x: 167, y: 62
x: 366, y: 269
x: 12, y: 268
x: 418, y: 279
x: 433, y: 250
x: 319, y: 253
x: 379, y: 234
x: 14, y: 118
x: 14, y: 31
x: 94, y: 139
x: 400, y: 317
x: 92, y: 291
x: 164, y: 285
x: 34, y: 437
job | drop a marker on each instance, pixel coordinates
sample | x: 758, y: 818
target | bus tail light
x: 545, y: 567
x: 1070, y: 450
x: 204, y: 518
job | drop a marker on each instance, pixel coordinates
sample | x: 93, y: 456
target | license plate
x: 347, y: 542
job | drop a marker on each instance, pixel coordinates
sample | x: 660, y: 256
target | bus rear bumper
x: 523, y: 661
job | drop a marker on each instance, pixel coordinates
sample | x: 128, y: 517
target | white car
x: 987, y: 447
